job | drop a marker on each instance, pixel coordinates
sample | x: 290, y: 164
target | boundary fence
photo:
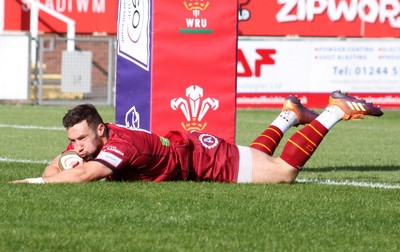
x: 85, y: 75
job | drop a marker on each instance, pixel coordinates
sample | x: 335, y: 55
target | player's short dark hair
x: 80, y: 113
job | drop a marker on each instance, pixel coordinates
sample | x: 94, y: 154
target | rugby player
x: 117, y: 153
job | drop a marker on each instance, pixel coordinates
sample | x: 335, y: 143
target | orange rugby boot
x: 352, y: 107
x: 304, y: 115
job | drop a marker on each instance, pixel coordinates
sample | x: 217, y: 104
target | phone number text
x: 366, y: 71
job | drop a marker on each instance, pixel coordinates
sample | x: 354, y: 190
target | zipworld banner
x: 321, y: 18
x: 176, y: 66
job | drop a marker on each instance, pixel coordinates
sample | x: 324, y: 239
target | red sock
x: 268, y: 140
x: 302, y: 144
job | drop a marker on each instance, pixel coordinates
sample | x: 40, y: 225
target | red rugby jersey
x: 135, y: 154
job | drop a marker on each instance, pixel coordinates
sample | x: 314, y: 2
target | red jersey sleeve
x: 138, y: 155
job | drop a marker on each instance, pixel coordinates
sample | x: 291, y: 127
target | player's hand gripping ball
x: 68, y: 160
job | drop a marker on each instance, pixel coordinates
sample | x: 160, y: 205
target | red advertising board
x: 322, y: 18
x: 90, y: 15
x: 312, y: 100
x: 199, y: 80
x: 176, y: 70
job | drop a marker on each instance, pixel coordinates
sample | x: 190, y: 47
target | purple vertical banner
x: 133, y: 67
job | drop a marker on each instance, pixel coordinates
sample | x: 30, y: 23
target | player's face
x: 87, y: 142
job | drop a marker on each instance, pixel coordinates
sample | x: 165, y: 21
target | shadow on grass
x: 354, y: 168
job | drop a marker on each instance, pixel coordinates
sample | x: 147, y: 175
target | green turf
x: 187, y: 216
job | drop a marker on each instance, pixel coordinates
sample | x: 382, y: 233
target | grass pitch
x: 187, y: 216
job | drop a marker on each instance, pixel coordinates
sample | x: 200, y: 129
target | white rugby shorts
x: 245, y: 165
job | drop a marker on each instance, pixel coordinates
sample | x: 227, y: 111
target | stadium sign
x: 91, y: 16
x: 179, y: 71
x: 322, y: 18
x: 268, y: 70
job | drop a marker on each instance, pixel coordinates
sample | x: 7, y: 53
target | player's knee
x: 287, y: 179
x: 289, y: 174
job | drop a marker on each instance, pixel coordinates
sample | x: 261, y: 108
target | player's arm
x: 52, y: 168
x: 89, y: 171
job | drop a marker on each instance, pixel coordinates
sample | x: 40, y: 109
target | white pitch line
x: 26, y: 161
x: 303, y: 180
x: 14, y: 126
x: 349, y: 183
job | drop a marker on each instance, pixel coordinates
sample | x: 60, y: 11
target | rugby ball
x: 68, y: 160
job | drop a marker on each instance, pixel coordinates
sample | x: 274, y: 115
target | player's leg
x: 302, y: 144
x: 293, y: 114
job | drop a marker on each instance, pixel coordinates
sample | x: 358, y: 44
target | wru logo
x: 194, y: 107
x: 196, y: 6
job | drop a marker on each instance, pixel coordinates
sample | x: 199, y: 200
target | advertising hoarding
x: 176, y: 68
x: 91, y: 16
x: 321, y: 18
x: 14, y: 66
x: 269, y: 69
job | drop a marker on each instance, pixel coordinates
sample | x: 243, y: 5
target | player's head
x: 85, y: 130
x: 80, y: 113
